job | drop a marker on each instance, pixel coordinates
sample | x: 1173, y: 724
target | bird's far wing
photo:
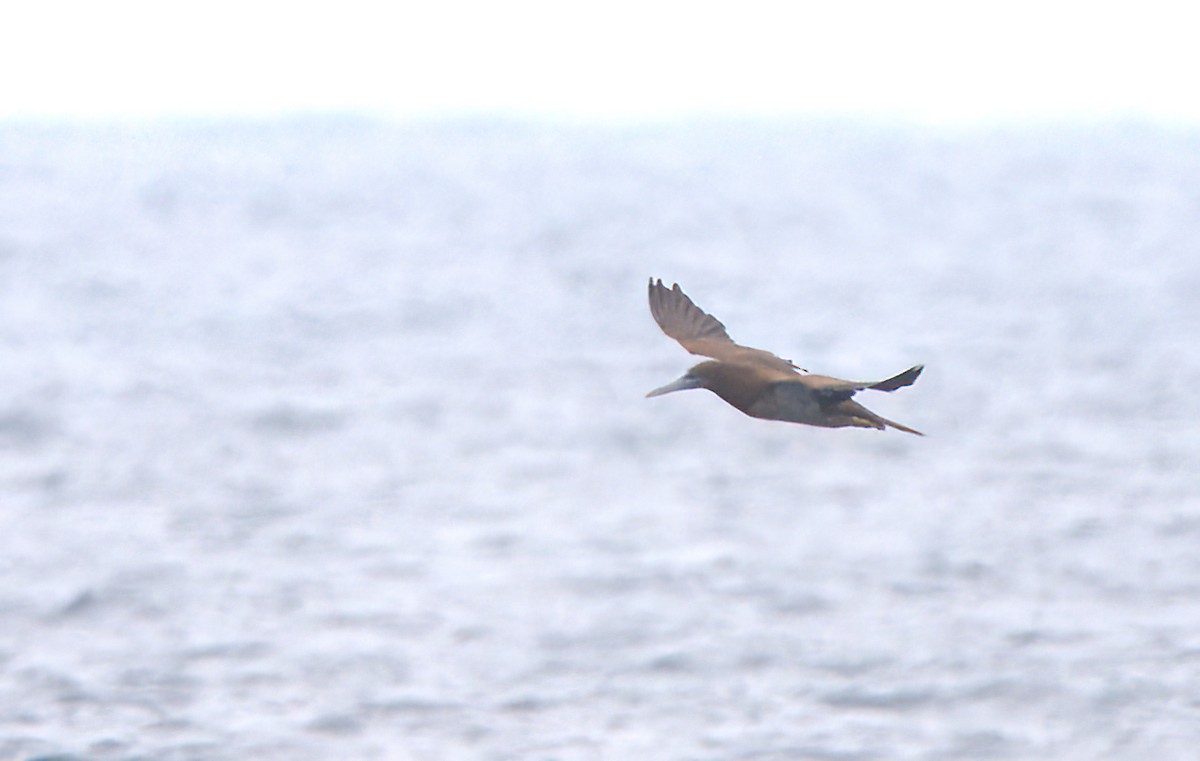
x: 701, y: 333
x: 680, y: 318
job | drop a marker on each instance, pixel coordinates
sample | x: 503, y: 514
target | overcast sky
x: 617, y: 59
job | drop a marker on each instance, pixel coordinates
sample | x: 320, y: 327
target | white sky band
x: 923, y: 61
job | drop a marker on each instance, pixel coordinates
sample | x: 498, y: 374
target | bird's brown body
x: 757, y: 382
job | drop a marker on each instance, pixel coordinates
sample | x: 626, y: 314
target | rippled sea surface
x: 326, y: 439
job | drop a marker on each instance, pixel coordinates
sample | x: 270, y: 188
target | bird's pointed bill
x: 680, y: 384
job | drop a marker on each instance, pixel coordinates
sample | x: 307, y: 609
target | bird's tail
x: 898, y: 427
x: 859, y: 415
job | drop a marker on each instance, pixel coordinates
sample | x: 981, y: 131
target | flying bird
x: 757, y: 382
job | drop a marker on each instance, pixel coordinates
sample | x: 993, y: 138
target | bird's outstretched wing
x: 906, y: 378
x: 679, y: 317
x: 701, y: 333
x: 839, y: 390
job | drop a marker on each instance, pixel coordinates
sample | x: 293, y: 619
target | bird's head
x: 700, y: 376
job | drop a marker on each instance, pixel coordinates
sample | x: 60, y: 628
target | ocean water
x: 326, y: 439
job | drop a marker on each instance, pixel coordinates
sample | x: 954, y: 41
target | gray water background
x: 325, y: 439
